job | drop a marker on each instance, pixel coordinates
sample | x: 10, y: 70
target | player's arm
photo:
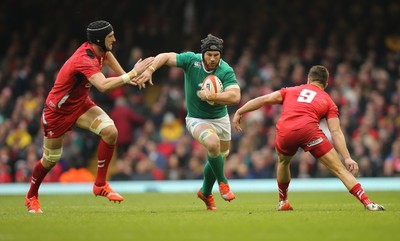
x: 138, y: 69
x: 339, y: 142
x: 104, y: 84
x: 113, y: 63
x: 229, y: 96
x: 254, y: 104
x: 160, y: 60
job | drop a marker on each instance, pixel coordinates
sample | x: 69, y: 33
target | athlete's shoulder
x: 82, y: 51
x: 86, y: 50
x: 185, y: 59
x: 188, y: 54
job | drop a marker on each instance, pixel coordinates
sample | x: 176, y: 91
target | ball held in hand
x: 213, y: 84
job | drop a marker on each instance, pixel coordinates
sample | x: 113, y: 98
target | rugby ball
x: 213, y: 84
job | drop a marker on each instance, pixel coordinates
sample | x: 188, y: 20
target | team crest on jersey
x: 197, y: 65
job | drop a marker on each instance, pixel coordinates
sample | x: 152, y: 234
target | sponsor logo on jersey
x: 197, y: 65
x: 315, y: 142
x: 52, y: 104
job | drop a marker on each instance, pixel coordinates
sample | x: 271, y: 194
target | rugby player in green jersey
x: 208, y: 124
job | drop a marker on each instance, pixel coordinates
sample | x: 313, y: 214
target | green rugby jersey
x: 195, y: 73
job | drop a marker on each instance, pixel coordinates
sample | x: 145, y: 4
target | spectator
x: 126, y: 120
x: 392, y: 161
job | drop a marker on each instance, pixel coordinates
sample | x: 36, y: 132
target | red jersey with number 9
x: 304, y: 105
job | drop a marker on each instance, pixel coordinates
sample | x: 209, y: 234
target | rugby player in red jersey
x: 68, y: 104
x: 303, y: 107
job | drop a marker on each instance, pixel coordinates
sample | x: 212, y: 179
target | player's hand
x: 142, y: 65
x: 236, y: 122
x: 351, y: 166
x: 141, y: 80
x: 206, y: 95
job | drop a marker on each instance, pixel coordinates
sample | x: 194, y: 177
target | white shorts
x: 222, y: 126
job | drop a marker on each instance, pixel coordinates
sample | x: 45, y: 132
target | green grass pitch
x: 182, y: 216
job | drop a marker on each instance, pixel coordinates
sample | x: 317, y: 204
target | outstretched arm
x: 254, y: 104
x: 168, y: 59
x: 339, y: 143
x: 138, y: 69
x: 104, y: 84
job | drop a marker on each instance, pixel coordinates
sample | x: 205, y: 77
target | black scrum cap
x: 97, y: 32
x: 211, y: 43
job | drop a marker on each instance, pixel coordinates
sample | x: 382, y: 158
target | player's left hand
x: 236, y: 122
x: 206, y: 95
x: 351, y: 166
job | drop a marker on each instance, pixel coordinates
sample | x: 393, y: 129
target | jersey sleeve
x: 283, y: 92
x: 230, y: 80
x: 183, y: 60
x: 333, y: 111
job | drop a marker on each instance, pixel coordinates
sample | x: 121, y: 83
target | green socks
x: 213, y: 170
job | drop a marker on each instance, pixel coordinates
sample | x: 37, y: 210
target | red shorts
x: 309, y: 139
x: 57, y: 124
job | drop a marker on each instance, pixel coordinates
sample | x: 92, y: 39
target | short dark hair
x: 319, y: 73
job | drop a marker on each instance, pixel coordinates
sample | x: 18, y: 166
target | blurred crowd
x: 270, y: 44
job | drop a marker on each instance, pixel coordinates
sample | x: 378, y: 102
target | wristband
x: 134, y: 73
x: 125, y: 78
x: 152, y: 69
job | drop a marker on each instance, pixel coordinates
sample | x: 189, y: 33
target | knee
x: 109, y: 134
x: 210, y: 140
x: 51, y: 157
x: 213, y: 147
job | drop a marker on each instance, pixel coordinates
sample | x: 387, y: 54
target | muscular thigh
x: 202, y: 129
x: 221, y: 127
x: 96, y: 120
x: 87, y: 118
x: 53, y: 143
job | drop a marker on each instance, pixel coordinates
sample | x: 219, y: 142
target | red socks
x: 359, y: 193
x: 39, y: 173
x: 104, y: 155
x: 283, y: 190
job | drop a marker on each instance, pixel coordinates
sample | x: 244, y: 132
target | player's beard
x: 211, y: 66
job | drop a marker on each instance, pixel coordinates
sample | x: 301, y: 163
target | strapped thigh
x: 52, y: 155
x: 206, y: 133
x: 101, y: 122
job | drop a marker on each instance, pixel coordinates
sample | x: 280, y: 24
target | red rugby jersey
x: 72, y: 87
x: 303, y: 105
